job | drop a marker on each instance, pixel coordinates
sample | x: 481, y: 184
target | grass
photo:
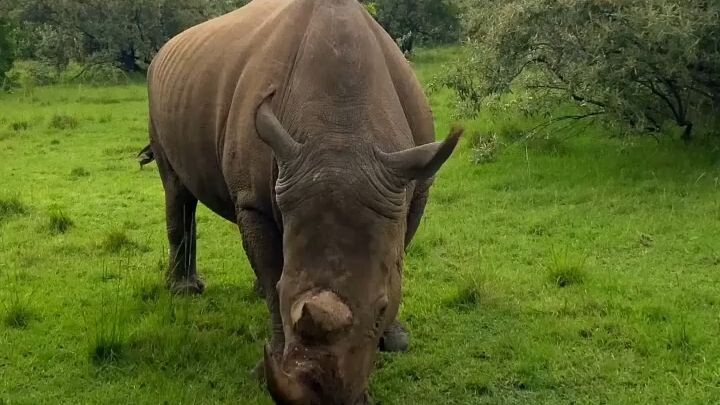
x: 11, y: 207
x: 118, y: 241
x: 581, y: 269
x: 18, y: 312
x: 566, y: 269
x: 18, y: 126
x: 109, y: 337
x: 62, y: 122
x: 79, y: 172
x: 59, y: 223
x: 485, y: 148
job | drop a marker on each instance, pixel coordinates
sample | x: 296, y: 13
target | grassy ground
x: 580, y: 270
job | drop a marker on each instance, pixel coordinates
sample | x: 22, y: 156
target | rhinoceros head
x: 344, y: 208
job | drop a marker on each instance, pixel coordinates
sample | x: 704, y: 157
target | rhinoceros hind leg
x: 258, y: 288
x: 180, y: 207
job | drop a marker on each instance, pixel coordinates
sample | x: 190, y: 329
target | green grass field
x: 573, y: 269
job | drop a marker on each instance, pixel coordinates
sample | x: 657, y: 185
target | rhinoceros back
x: 204, y: 86
x: 207, y: 82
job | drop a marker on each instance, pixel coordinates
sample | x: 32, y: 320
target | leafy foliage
x: 635, y: 63
x: 485, y: 148
x: 7, y: 50
x: 124, y: 32
x: 418, y: 21
x: 371, y: 7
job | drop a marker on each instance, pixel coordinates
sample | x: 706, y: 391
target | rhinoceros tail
x: 146, y: 156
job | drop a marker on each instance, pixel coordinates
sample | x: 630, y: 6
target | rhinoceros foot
x: 395, y: 338
x: 185, y: 286
x: 258, y: 372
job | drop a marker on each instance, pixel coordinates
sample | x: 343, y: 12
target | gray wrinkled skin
x: 301, y: 122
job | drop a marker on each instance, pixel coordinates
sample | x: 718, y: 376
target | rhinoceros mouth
x: 308, y: 377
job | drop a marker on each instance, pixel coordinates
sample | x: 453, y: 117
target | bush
x: 633, y: 65
x: 418, y: 21
x: 484, y: 147
x: 371, y: 7
x: 95, y: 74
x: 7, y: 51
x: 128, y: 33
x: 27, y: 75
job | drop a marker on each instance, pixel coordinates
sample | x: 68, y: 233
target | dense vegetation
x: 634, y: 65
x: 7, y: 50
x: 643, y: 66
x: 414, y: 22
x: 567, y: 271
x: 126, y: 33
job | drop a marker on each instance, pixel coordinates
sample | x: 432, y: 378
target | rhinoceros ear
x: 422, y: 162
x: 274, y: 135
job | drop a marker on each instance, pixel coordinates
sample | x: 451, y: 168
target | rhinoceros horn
x: 424, y: 161
x: 320, y: 316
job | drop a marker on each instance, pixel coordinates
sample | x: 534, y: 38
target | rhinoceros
x: 302, y: 122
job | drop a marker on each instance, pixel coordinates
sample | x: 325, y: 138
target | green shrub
x: 7, y: 51
x: 95, y: 74
x: 27, y: 75
x: 371, y: 7
x: 632, y: 65
x: 413, y: 22
x: 485, y: 148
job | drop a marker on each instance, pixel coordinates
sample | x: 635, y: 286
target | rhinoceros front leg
x: 180, y: 207
x: 395, y: 338
x: 262, y: 242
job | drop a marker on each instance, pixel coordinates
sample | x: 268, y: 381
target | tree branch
x: 576, y: 117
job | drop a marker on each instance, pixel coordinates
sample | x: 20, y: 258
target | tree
x: 371, y: 7
x: 125, y: 32
x: 418, y: 21
x: 7, y: 50
x: 640, y: 63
